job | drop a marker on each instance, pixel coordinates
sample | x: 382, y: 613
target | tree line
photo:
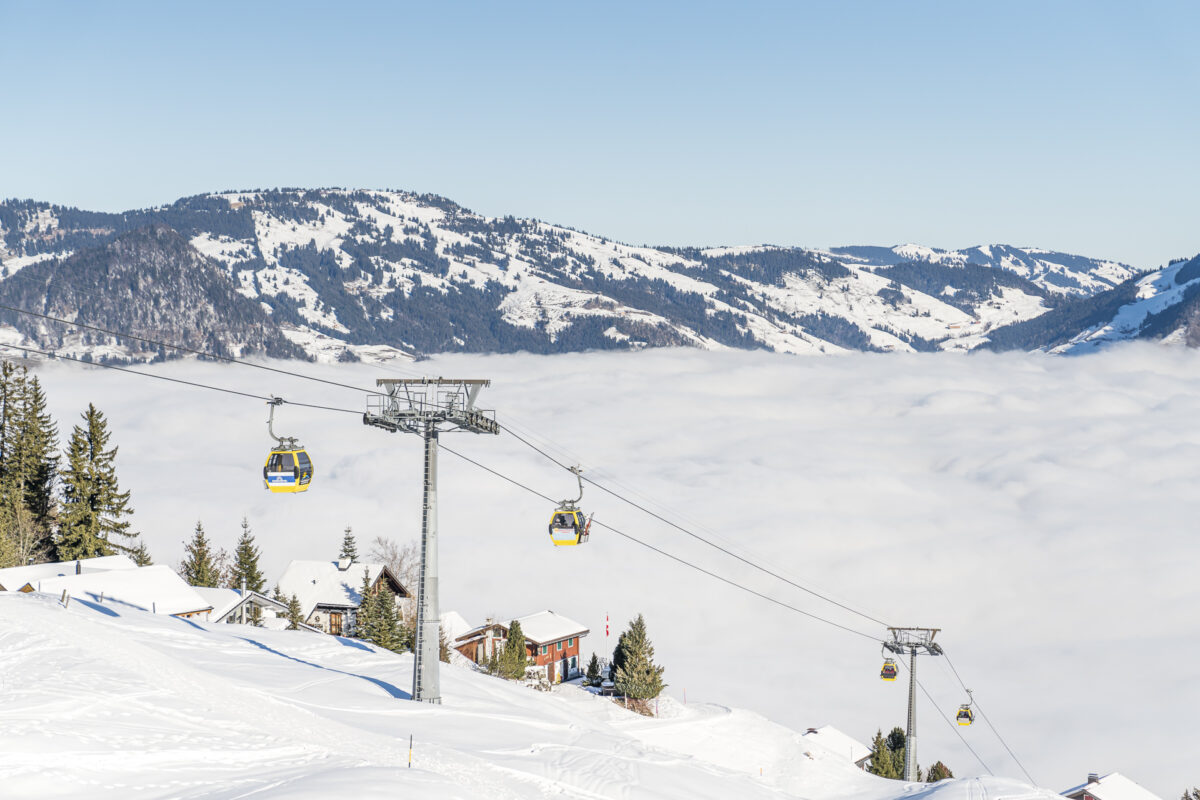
x: 57, y: 506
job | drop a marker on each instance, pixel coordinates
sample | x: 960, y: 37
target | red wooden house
x: 552, y: 642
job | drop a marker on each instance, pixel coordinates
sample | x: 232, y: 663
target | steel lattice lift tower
x: 422, y: 406
x: 912, y: 641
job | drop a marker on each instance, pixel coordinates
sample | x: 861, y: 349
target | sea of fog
x: 1041, y: 511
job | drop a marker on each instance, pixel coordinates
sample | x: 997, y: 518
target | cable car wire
x: 984, y: 716
x: 697, y: 536
x: 953, y: 727
x: 660, y: 551
x: 51, y: 354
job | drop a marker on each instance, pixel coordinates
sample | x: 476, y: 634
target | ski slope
x: 107, y: 702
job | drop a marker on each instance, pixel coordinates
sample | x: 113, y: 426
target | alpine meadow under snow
x: 1037, y: 509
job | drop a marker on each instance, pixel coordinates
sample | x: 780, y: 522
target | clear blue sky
x: 1068, y: 125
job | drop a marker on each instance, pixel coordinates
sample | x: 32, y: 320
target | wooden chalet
x: 328, y: 591
x: 552, y: 643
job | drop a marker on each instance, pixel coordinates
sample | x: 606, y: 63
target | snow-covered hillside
x: 103, y: 701
x: 385, y: 274
x: 1061, y: 273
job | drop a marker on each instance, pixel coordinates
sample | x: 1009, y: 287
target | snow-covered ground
x: 1040, y: 510
x: 100, y: 701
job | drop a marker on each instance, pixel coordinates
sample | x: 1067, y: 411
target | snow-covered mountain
x: 110, y: 701
x: 1162, y: 305
x: 1061, y: 273
x: 377, y: 274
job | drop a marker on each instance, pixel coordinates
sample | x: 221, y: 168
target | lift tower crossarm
x: 912, y: 641
x: 423, y: 406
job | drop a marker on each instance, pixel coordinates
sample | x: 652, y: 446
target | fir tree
x: 514, y: 658
x: 592, y: 676
x: 493, y: 664
x: 1194, y: 794
x: 389, y: 633
x: 366, y: 619
x: 443, y: 647
x: 141, y: 555
x: 21, y: 538
x: 199, y: 567
x: 618, y: 656
x: 34, y: 451
x: 94, y: 509
x: 882, y: 762
x: 938, y: 772
x: 295, y: 614
x: 245, y: 563
x: 638, y: 677
x: 887, y: 755
x: 349, y: 546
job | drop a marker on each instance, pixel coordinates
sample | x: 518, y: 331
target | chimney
x: 343, y: 564
x: 1093, y: 777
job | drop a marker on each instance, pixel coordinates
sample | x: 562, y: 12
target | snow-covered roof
x: 13, y: 578
x: 1113, y: 786
x: 155, y: 588
x: 544, y: 627
x: 322, y: 583
x: 454, y: 625
x: 833, y: 740
x: 224, y: 601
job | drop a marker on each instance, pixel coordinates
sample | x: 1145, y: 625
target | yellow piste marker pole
x: 410, y: 751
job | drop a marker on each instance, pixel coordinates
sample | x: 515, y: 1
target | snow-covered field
x: 103, y: 702
x: 1040, y: 510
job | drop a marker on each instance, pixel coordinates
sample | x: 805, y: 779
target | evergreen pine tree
x: 40, y: 439
x: 349, y: 546
x: 199, y: 567
x: 366, y: 619
x: 639, y: 678
x: 514, y: 657
x: 618, y: 656
x: 245, y: 563
x: 12, y: 383
x: 493, y: 664
x: 21, y: 538
x: 94, y: 509
x: 1194, y: 794
x: 295, y: 614
x: 389, y: 632
x: 938, y: 772
x: 141, y: 555
x: 443, y: 646
x: 592, y: 676
x: 881, y: 758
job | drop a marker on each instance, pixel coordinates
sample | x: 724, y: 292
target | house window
x: 571, y: 642
x: 558, y: 645
x: 544, y: 648
x: 335, y: 624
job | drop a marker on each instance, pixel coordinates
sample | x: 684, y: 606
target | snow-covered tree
x: 199, y: 567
